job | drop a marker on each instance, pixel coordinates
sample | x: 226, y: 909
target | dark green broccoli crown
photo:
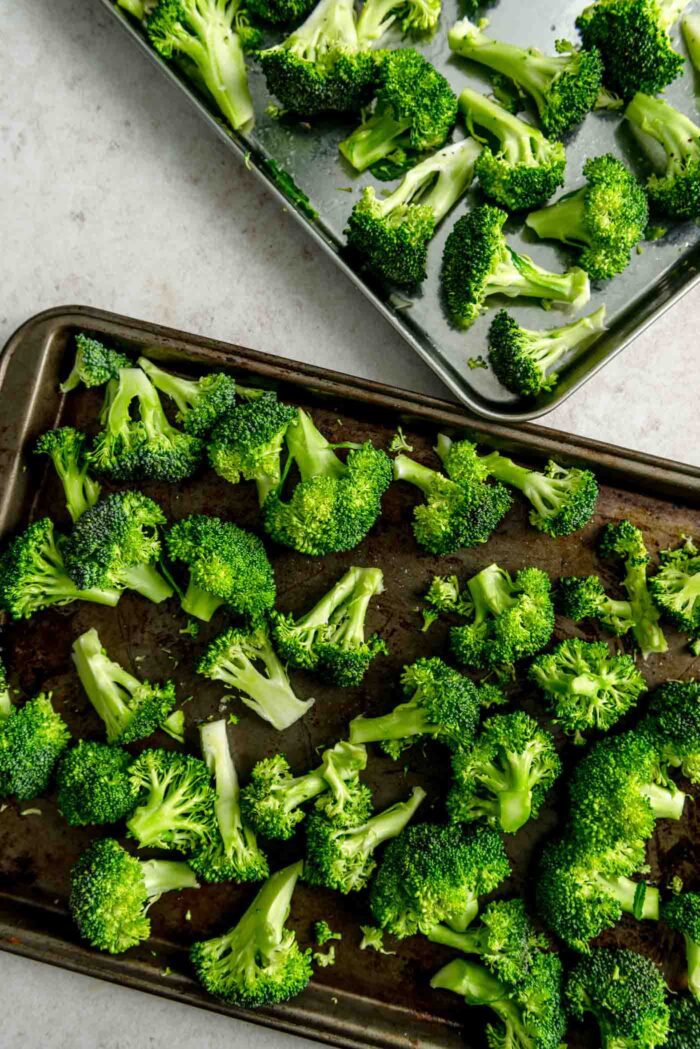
x: 94, y: 365
x: 522, y: 178
x: 564, y: 499
x: 625, y: 992
x: 210, y: 398
x: 108, y: 897
x: 515, y: 356
x: 450, y: 701
x: 215, y: 864
x: 616, y: 214
x: 395, y: 245
x: 674, y: 722
x: 571, y: 92
x: 268, y: 799
x: 279, y: 12
x: 684, y: 1026
x: 65, y: 445
x: 296, y: 643
x: 319, y: 76
x: 32, y: 739
x: 584, y: 597
x: 347, y: 666
x: 676, y: 586
x: 247, y: 442
x: 624, y: 540
x: 176, y: 801
x: 508, y: 942
x: 413, y: 91
x: 94, y: 785
x: 682, y: 913
x: 473, y: 252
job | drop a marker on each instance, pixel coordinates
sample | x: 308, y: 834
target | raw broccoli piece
x: 444, y: 596
x: 477, y: 262
x: 584, y: 597
x: 94, y: 785
x: 524, y: 168
x: 392, y: 233
x: 414, y: 112
x: 33, y: 575
x: 138, y: 8
x: 587, y: 687
x: 66, y: 449
x: 690, y: 25
x: 524, y: 360
x: 247, y: 443
x: 625, y: 542
x: 231, y: 658
x: 205, y: 33
x: 272, y: 801
x: 323, y: 933
x: 431, y: 874
x: 94, y: 364
x: 684, y: 1024
x: 564, y: 87
x: 626, y: 994
x: 605, y: 219
x: 115, y: 545
x: 279, y: 12
x: 414, y: 17
x: 227, y: 566
x: 674, y: 722
x: 675, y: 588
x: 144, y: 447
x: 334, y: 505
x: 510, y: 617
x: 258, y: 962
x: 505, y: 776
x: 32, y: 739
x: 440, y: 703
x: 682, y: 913
x: 111, y: 893
x: 177, y: 800
x: 201, y: 403
x: 341, y: 857
x: 632, y: 37
x: 675, y: 191
x: 232, y: 853
x: 130, y: 709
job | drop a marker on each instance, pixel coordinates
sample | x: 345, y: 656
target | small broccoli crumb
x: 399, y: 443
x: 233, y: 719
x: 324, y: 960
x: 323, y: 933
x: 373, y: 938
x: 192, y: 629
x: 188, y: 916
x: 476, y: 362
x: 30, y: 812
x: 676, y: 885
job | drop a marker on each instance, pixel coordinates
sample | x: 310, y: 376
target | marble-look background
x: 114, y: 195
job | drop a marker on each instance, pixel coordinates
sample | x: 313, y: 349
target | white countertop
x: 115, y: 195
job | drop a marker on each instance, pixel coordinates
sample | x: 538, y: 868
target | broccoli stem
x: 385, y: 825
x: 514, y: 136
x: 54, y: 586
x: 347, y: 622
x: 665, y: 804
x: 199, y: 603
x: 645, y: 615
x: 407, y: 719
x: 373, y: 140
x: 313, y: 454
x: 563, y: 221
x: 217, y: 756
x: 670, y: 11
x: 692, y: 957
x: 263, y: 923
x: 673, y: 130
x: 409, y: 470
x: 437, y: 182
x: 545, y: 493
x: 478, y: 987
x: 184, y: 392
x: 104, y: 682
x: 218, y: 56
x: 6, y: 705
x: 321, y: 613
x: 518, y: 275
x: 271, y: 696
x: 159, y: 813
x: 134, y: 7
x: 691, y: 34
x: 303, y: 789
x: 147, y: 581
x: 515, y: 803
x: 174, y: 725
x: 330, y: 25
x: 166, y: 876
x: 468, y: 942
x: 625, y: 891
x: 376, y: 17
x: 491, y: 592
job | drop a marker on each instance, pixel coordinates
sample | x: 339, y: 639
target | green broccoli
x: 675, y: 589
x: 414, y: 17
x: 690, y: 25
x: 524, y: 360
x: 625, y: 542
x: 176, y: 798
x: 227, y: 566
x: 331, y: 637
x: 323, y: 933
x: 258, y: 962
x: 130, y: 709
x: 673, y: 721
x: 676, y: 190
x: 279, y: 12
x: 682, y: 913
x: 583, y: 597
x: 444, y: 595
x: 94, y: 785
x: 431, y: 874
x: 564, y: 87
x: 684, y: 1028
x: 231, y: 658
x: 334, y: 504
x: 95, y: 364
x: 201, y: 403
x: 477, y: 262
x: 66, y: 448
x: 32, y: 739
x: 138, y: 8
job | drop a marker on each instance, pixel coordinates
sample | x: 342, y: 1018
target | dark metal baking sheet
x: 656, y: 280
x: 366, y: 999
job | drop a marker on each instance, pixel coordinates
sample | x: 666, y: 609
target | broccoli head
x: 684, y: 1024
x: 32, y: 739
x: 66, y: 449
x: 675, y: 588
x: 175, y: 801
x: 682, y: 913
x: 200, y: 402
x: 94, y: 785
x: 584, y: 597
x: 95, y: 364
x: 675, y: 191
x: 625, y: 542
x: 674, y: 723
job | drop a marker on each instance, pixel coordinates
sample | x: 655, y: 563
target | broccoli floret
x: 477, y: 262
x: 331, y: 637
x: 272, y: 801
x: 523, y: 169
x: 66, y: 448
x: 232, y: 853
x: 334, y: 505
x: 116, y: 544
x: 341, y: 857
x: 414, y: 112
x: 524, y: 360
x: 440, y: 703
x: 587, y: 687
x: 626, y: 994
x: 247, y: 443
x: 145, y: 447
x: 414, y: 17
x: 674, y: 723
x: 682, y: 913
x: 94, y: 364
x: 584, y: 598
x: 227, y: 566
x: 510, y: 617
x: 564, y: 87
x: 684, y: 1025
x: 431, y: 874
x: 632, y: 37
x: 392, y: 233
x: 33, y: 575
x: 676, y: 587
x: 279, y: 12
x: 177, y: 799
x: 205, y: 33
x: 231, y: 658
x: 258, y: 962
x: 200, y: 402
x: 94, y: 785
x: 323, y: 933
x: 675, y: 191
x: 130, y: 709
x: 444, y: 595
x: 505, y: 776
x: 112, y: 891
x: 32, y: 739
x: 625, y: 542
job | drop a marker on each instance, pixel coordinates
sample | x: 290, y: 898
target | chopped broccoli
x: 684, y: 1028
x: 323, y: 933
x: 279, y: 12
x: 682, y: 913
x: 373, y: 940
x: 524, y: 360
x: 200, y: 402
x: 399, y: 442
x: 414, y: 17
x: 94, y: 364
x: 674, y: 721
x: 331, y: 637
x: 177, y: 800
x: 112, y: 891
x: 444, y: 595
x: 258, y: 962
x: 690, y: 25
x: 334, y: 505
x: 675, y: 588
x: 32, y: 739
x: 564, y: 87
x: 431, y: 874
x: 324, y: 960
x: 94, y: 785
x: 66, y: 448
x: 676, y: 190
x: 227, y: 566
x: 625, y: 542
x: 584, y: 598
x: 231, y: 658
x: 477, y: 262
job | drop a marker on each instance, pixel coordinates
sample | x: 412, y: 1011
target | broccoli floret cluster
x: 279, y: 12
x: 200, y: 402
x: 673, y: 721
x: 675, y: 589
x: 93, y: 784
x: 94, y: 365
x: 675, y: 191
x: 682, y: 913
x: 584, y: 597
x: 684, y: 1023
x: 66, y: 448
x: 32, y: 739
x: 624, y: 542
x: 175, y: 801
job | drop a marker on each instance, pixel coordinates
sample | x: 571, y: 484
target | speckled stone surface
x: 114, y: 195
